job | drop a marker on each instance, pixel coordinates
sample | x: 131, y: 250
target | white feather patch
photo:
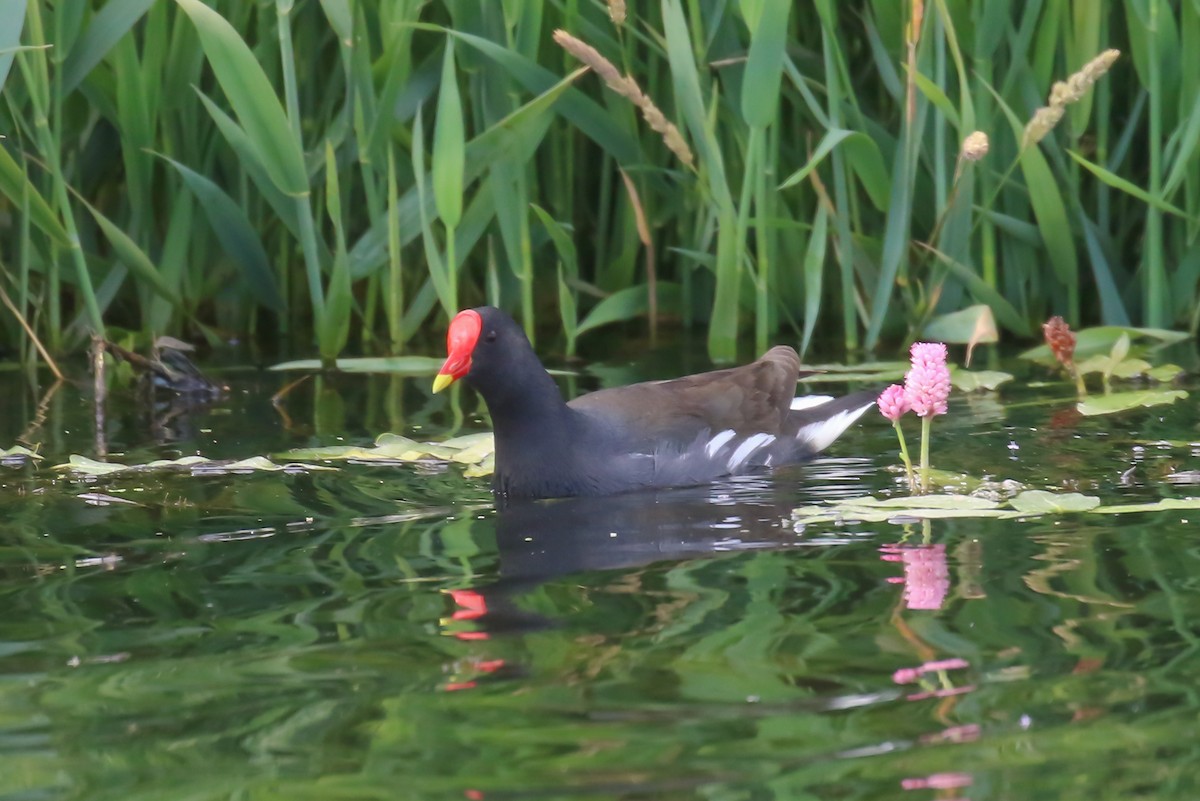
x: 716, y: 443
x: 809, y: 401
x: 821, y: 435
x: 749, y: 446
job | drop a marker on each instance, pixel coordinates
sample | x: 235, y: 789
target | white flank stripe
x: 716, y: 443
x: 749, y: 446
x: 821, y: 435
x: 809, y: 401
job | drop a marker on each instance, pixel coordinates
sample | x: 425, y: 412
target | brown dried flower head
x: 1061, y: 340
x: 627, y: 87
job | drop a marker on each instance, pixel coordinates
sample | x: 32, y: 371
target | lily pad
x: 1123, y: 401
x: 977, y: 380
x: 1039, y: 502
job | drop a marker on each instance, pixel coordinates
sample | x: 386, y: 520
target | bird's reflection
x: 540, y: 541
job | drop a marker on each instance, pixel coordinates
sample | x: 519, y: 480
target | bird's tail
x: 818, y: 420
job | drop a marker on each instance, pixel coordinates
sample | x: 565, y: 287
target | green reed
x: 351, y: 174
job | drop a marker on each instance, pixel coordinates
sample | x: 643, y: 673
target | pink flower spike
x: 927, y: 383
x: 893, y: 403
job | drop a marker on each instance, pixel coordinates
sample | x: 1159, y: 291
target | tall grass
x: 351, y: 173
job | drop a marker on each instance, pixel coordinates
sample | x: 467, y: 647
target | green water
x: 381, y: 632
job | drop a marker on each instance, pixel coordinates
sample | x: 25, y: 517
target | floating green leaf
x: 196, y: 465
x: 1165, y: 505
x: 1123, y: 401
x: 397, y: 365
x: 17, y: 455
x: 471, y: 449
x: 1042, y: 502
x: 1030, y: 503
x: 977, y: 380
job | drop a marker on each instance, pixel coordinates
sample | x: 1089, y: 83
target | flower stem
x: 908, y: 468
x: 925, y: 423
x: 1080, y: 387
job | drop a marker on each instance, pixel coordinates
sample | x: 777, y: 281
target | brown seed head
x: 1064, y: 93
x: 1061, y: 339
x: 628, y: 88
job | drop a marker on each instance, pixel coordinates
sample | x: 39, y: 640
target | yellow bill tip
x: 442, y: 381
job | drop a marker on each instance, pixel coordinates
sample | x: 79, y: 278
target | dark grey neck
x: 529, y: 415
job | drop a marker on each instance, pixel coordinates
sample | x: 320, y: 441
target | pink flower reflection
x: 939, y: 781
x: 966, y: 733
x: 926, y: 574
x: 909, y: 675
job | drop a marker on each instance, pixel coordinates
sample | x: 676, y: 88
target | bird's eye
x: 490, y: 336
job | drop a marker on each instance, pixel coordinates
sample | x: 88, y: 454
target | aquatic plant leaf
x: 943, y: 501
x: 1119, y: 183
x: 924, y: 507
x: 630, y: 302
x: 1130, y: 368
x: 17, y: 186
x: 810, y: 515
x: 449, y: 145
x: 864, y: 367
x: 397, y: 365
x: 252, y: 97
x: 1165, y: 505
x: 109, y: 25
x: 868, y: 371
x: 104, y: 499
x: 1042, y: 502
x: 1123, y: 401
x: 977, y: 380
x: 970, y: 326
x: 470, y: 449
x: 17, y: 455
x: 1164, y: 372
x: 236, y: 235
x: 12, y: 20
x: 197, y: 465
x: 89, y: 467
x: 484, y: 468
x: 1101, y: 339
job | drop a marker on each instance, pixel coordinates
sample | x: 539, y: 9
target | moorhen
x: 681, y: 432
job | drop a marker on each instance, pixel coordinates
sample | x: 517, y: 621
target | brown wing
x: 749, y: 399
